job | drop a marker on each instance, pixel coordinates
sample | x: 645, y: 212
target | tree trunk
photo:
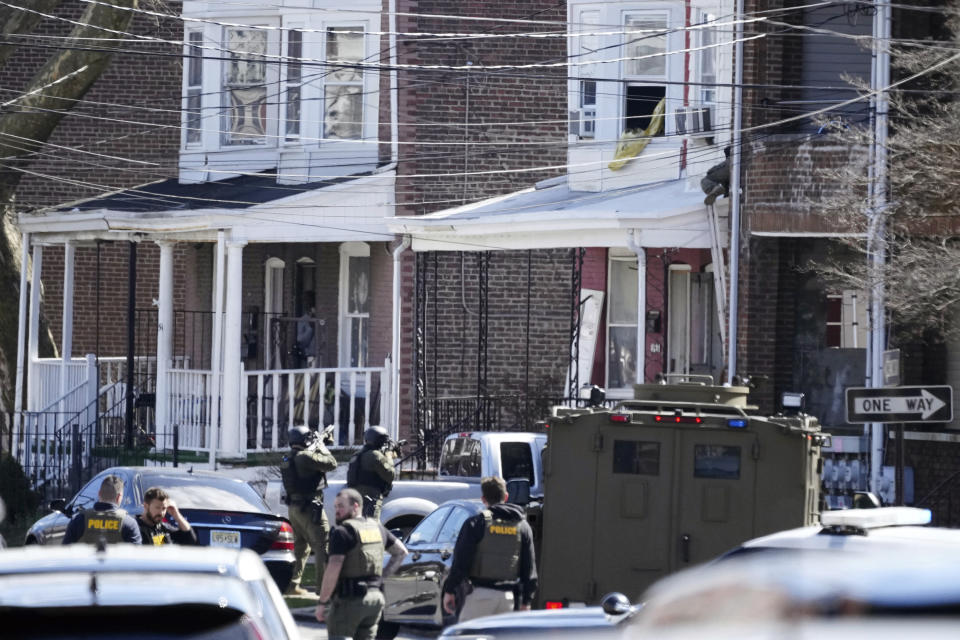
x: 28, y: 123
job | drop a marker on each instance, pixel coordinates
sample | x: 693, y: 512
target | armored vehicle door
x: 634, y: 492
x: 716, y: 473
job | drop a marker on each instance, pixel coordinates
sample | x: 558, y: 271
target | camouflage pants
x: 308, y: 535
x: 355, y: 618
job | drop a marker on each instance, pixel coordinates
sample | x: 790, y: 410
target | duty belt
x: 499, y: 585
x: 357, y: 587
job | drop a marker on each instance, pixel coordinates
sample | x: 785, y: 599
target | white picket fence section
x: 190, y: 407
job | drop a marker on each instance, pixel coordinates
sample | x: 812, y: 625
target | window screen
x: 638, y: 458
x: 716, y: 461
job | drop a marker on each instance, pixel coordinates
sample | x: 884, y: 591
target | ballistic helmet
x: 375, y: 437
x: 298, y: 436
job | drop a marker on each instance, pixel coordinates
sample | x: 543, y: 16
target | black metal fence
x: 944, y: 502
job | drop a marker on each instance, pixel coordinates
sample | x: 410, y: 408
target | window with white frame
x: 267, y: 88
x: 622, y: 277
x: 586, y: 44
x: 194, y: 88
x: 343, y: 84
x: 293, y: 80
x: 245, y: 79
x: 273, y: 287
x: 645, y: 66
x: 354, y: 303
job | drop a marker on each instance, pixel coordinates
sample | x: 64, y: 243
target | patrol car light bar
x: 737, y: 423
x: 619, y: 417
x: 873, y: 518
x: 550, y: 604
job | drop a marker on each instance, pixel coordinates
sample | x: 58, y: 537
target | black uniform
x: 488, y: 564
x: 105, y: 520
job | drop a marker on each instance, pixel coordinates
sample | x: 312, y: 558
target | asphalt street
x: 310, y: 629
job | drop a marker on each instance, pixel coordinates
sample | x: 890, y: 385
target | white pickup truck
x: 464, y: 459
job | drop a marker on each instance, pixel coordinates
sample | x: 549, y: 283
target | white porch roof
x: 551, y: 215
x: 355, y: 208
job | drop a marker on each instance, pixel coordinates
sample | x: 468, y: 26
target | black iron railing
x: 944, y: 502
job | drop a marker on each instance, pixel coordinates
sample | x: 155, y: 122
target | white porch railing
x: 352, y: 399
x: 46, y: 390
x: 190, y: 407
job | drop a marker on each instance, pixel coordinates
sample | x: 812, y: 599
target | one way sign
x: 900, y: 404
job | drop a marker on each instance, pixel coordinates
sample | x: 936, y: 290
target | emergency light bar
x: 874, y: 518
x: 737, y: 423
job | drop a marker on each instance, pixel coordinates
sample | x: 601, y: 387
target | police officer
x: 106, y: 520
x: 304, y: 474
x: 153, y: 530
x: 494, y: 557
x: 351, y: 595
x: 371, y: 471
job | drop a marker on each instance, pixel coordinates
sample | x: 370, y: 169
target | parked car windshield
x: 207, y: 492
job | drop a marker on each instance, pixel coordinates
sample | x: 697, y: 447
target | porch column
x: 21, y: 340
x: 66, y: 339
x: 234, y: 438
x: 216, y: 362
x: 164, y: 344
x: 33, y: 335
x: 635, y: 242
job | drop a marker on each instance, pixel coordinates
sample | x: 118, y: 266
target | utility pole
x: 876, y: 234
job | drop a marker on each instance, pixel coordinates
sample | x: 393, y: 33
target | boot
x: 296, y: 590
x: 718, y: 190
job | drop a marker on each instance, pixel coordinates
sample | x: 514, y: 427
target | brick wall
x: 132, y: 112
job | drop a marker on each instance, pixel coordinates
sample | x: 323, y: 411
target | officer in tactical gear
x: 351, y: 594
x: 105, y: 520
x: 304, y: 474
x: 494, y: 555
x: 371, y: 470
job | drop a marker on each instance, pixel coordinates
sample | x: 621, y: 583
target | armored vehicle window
x: 716, y: 461
x: 639, y: 458
x: 517, y: 460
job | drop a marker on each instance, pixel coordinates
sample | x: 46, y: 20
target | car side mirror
x: 59, y: 505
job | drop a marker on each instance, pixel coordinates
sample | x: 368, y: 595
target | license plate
x: 220, y: 538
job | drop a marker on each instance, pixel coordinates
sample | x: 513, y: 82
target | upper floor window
x: 245, y: 81
x: 645, y: 69
x: 194, y: 83
x: 343, y: 85
x: 254, y: 85
x: 637, y: 59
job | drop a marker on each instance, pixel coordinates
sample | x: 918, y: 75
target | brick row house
x: 460, y: 228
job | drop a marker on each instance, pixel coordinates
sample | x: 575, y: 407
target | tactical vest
x: 497, y: 557
x: 102, y: 524
x: 299, y: 488
x: 358, y: 473
x: 365, y: 559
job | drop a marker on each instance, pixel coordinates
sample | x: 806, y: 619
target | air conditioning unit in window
x: 583, y: 123
x: 695, y: 120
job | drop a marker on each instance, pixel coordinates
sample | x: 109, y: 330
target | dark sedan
x: 413, y: 592
x: 224, y: 512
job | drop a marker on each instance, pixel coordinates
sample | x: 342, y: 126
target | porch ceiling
x: 251, y: 208
x: 668, y: 214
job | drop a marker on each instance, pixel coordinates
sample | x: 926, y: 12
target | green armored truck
x: 672, y: 478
